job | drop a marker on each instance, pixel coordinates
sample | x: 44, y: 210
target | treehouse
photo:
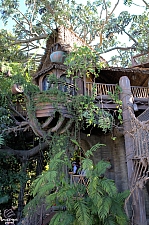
x: 128, y: 150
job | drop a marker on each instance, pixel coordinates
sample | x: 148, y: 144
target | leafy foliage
x: 96, y: 202
x: 3, y: 199
x: 9, y: 179
x: 95, y: 22
x: 85, y: 60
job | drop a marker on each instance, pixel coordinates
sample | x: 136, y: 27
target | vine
x: 115, y: 97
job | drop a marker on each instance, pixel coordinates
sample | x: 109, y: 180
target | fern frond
x: 66, y: 192
x: 101, y: 167
x: 98, y: 201
x: 55, y: 161
x: 104, y: 208
x: 117, y: 208
x: 122, y: 196
x: 46, y: 189
x: 42, y: 180
x: 93, y: 149
x: 109, y: 221
x: 51, y: 176
x: 82, y: 213
x: 1, y: 140
x: 37, y: 185
x: 108, y: 186
x: 92, y: 186
x: 121, y: 219
x: 51, y: 199
x: 87, y: 164
x: 63, y: 218
x: 75, y: 142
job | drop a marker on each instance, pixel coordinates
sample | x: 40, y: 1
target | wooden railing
x: 78, y: 179
x: 104, y: 89
x: 139, y: 92
x: 99, y: 89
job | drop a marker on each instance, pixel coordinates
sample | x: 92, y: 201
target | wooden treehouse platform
x: 102, y: 94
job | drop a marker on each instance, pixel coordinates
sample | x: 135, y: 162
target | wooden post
x: 138, y: 201
x: 127, y: 100
x: 148, y: 92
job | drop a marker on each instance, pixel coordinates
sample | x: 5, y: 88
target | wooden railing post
x: 139, y: 213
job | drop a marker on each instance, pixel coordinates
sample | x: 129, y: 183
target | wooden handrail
x: 100, y: 89
x: 104, y: 89
x: 139, y: 92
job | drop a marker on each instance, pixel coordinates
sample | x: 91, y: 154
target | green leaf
x: 82, y: 213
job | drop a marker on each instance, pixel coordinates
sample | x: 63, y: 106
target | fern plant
x: 94, y: 202
x: 1, y: 140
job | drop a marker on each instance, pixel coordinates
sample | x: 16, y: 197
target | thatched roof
x: 138, y: 75
x: 66, y: 38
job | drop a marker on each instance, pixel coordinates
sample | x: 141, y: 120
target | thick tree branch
x: 43, y: 36
x: 107, y: 18
x: 120, y: 48
x: 26, y: 154
x: 15, y: 111
x: 147, y: 5
x: 130, y: 36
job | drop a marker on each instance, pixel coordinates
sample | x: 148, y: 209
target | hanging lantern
x: 57, y: 56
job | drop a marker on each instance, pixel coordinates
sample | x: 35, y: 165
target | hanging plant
x: 83, y: 59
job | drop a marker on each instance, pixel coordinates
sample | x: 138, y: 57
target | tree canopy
x: 94, y: 21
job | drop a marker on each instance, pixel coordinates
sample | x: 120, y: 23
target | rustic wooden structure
x: 129, y: 154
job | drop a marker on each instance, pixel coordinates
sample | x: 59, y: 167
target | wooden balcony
x: 102, y: 93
